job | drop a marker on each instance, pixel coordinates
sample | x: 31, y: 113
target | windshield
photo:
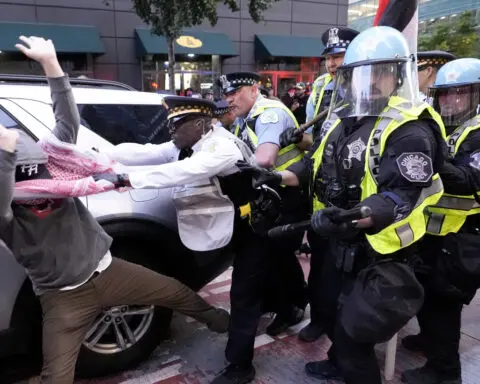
x: 126, y: 123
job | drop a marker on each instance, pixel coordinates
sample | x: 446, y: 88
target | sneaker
x: 311, y: 332
x: 426, y: 375
x: 415, y: 343
x: 235, y: 374
x: 323, y: 370
x: 280, y: 324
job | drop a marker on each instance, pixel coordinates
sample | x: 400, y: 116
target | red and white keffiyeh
x: 71, y: 169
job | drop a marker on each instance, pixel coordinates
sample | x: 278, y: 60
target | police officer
x: 382, y: 150
x: 199, y: 154
x: 224, y: 116
x: 428, y: 64
x: 259, y: 123
x: 456, y: 219
x: 336, y: 40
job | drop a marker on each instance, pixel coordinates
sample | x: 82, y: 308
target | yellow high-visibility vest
x: 404, y: 232
x: 287, y: 155
x: 451, y: 211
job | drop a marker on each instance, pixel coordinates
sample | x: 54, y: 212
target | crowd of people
x: 388, y: 179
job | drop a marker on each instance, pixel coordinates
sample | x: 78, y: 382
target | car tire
x: 93, y: 363
x: 104, y: 358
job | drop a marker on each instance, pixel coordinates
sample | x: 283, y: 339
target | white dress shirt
x: 215, y: 154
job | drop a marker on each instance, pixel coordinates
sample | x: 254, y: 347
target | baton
x: 352, y: 215
x: 315, y: 120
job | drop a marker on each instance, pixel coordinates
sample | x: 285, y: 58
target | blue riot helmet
x: 456, y: 92
x: 377, y: 65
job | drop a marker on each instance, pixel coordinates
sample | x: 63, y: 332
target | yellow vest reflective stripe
x: 411, y: 228
x: 319, y: 89
x: 287, y: 155
x: 451, y: 211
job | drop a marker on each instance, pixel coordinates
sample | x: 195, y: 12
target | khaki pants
x: 67, y: 315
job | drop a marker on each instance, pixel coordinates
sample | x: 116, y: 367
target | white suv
x: 142, y: 223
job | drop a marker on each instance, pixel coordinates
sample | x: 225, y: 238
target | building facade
x: 362, y: 12
x: 106, y: 40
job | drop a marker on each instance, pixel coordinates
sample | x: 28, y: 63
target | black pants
x: 317, y: 246
x: 440, y: 316
x: 440, y: 321
x: 357, y: 361
x: 287, y: 287
x: 251, y: 268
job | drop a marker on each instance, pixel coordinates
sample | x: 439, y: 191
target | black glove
x: 291, y: 135
x: 325, y: 223
x: 260, y: 175
x: 119, y: 180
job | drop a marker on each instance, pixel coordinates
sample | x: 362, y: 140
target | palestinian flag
x: 401, y: 15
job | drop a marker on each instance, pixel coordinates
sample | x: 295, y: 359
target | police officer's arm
x: 8, y: 142
x: 461, y: 176
x: 412, y: 155
x: 142, y: 154
x: 216, y: 156
x: 268, y: 127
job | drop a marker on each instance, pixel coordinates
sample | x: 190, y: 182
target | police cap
x: 337, y: 39
x: 221, y: 107
x: 232, y: 81
x: 433, y: 59
x: 181, y: 106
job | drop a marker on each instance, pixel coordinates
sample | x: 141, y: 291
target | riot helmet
x: 377, y: 65
x: 456, y: 92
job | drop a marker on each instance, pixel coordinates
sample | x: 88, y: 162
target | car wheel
x: 123, y: 336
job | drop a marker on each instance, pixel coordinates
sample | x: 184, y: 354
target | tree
x: 457, y: 35
x: 169, y: 17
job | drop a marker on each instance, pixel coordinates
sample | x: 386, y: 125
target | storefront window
x: 285, y: 73
x: 74, y: 65
x: 197, y: 75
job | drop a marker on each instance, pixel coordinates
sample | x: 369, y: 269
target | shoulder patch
x: 269, y: 117
x: 416, y: 167
x: 475, y: 160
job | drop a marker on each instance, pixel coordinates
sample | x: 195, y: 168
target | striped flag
x: 401, y: 15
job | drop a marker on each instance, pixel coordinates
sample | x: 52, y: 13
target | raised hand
x: 43, y: 51
x: 37, y: 48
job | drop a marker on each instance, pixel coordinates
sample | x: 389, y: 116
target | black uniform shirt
x: 411, y: 156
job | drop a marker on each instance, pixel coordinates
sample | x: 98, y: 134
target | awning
x: 287, y: 46
x: 67, y: 38
x: 198, y: 43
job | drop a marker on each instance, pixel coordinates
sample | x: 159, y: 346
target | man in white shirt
x: 200, y: 163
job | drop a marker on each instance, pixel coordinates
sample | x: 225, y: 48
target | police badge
x: 356, y: 149
x: 224, y: 81
x: 333, y: 36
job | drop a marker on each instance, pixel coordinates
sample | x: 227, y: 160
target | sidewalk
x: 194, y: 355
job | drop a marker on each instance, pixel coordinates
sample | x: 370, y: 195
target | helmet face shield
x: 456, y: 104
x: 364, y: 90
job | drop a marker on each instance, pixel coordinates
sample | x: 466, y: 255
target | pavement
x: 194, y: 355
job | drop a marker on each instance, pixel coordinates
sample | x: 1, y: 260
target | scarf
x: 71, y: 169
